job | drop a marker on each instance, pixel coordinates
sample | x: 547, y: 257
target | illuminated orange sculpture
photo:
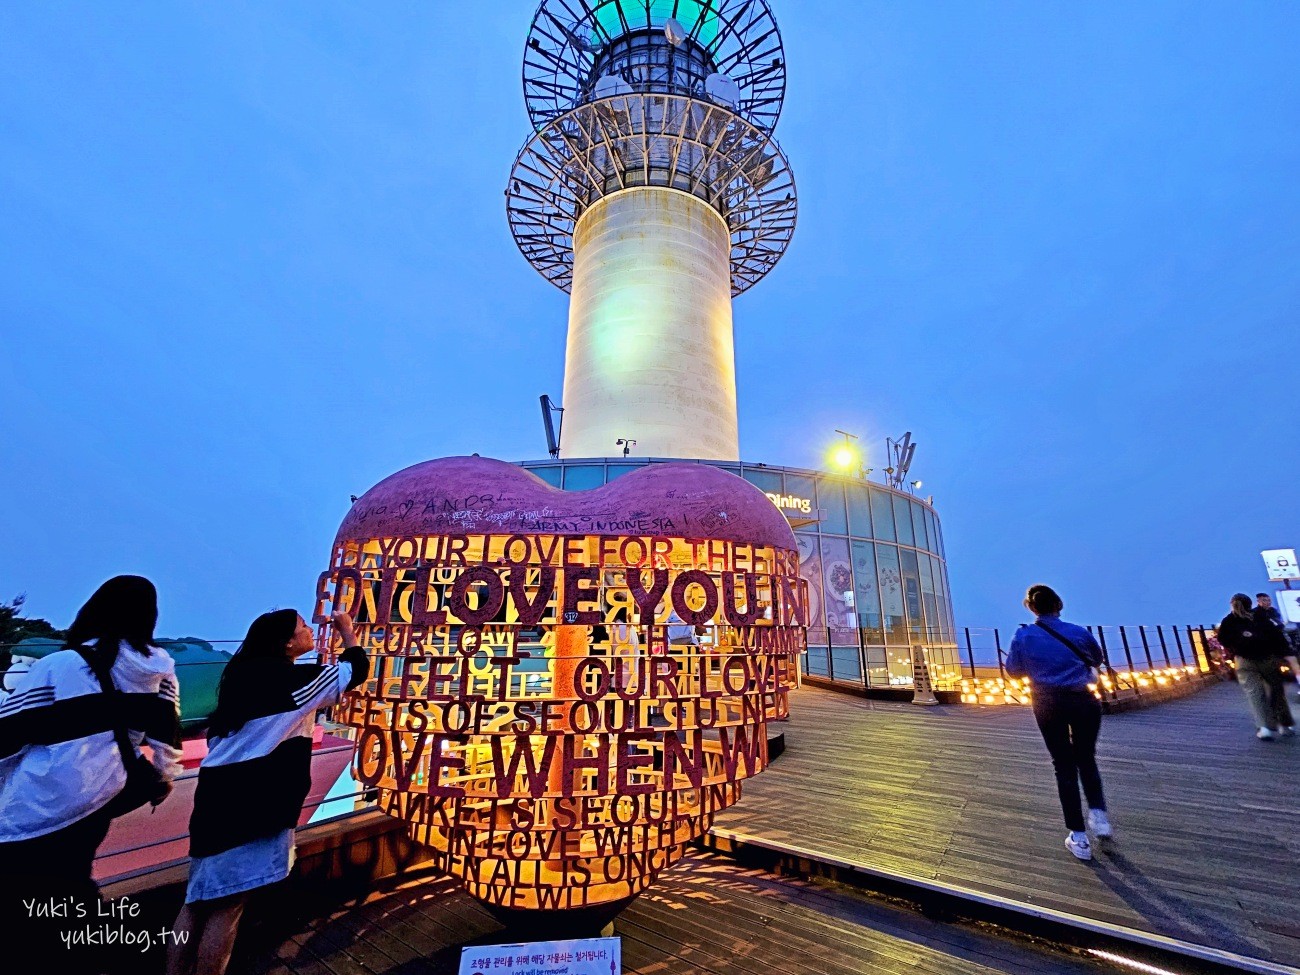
x: 565, y: 687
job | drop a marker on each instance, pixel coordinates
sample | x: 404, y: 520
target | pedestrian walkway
x: 1207, y: 818
x: 706, y: 916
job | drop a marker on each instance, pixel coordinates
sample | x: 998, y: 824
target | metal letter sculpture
x: 565, y: 687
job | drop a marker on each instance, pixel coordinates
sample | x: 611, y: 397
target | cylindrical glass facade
x: 873, y: 557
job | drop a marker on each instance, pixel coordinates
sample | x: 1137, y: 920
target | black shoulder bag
x: 1073, y: 649
x: 144, y: 783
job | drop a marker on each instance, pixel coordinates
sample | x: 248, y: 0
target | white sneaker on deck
x: 1265, y: 734
x: 1099, y: 823
x: 1287, y: 731
x: 1077, y: 843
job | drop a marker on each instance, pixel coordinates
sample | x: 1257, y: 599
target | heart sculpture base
x: 565, y: 687
x: 560, y: 925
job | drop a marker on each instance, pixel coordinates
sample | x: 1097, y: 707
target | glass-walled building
x: 873, y: 557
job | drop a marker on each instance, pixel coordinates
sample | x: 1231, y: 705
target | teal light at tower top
x: 698, y: 16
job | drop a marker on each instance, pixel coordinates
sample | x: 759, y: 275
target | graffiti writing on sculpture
x: 557, y: 716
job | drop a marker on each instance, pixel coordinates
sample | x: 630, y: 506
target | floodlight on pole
x: 847, y: 454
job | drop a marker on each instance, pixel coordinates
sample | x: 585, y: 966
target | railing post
x: 862, y: 651
x: 1164, y: 646
x: 1105, y: 657
x: 1218, y: 666
x: 1146, y: 649
x: 1128, y: 655
x: 1178, y: 642
x: 970, y: 653
x: 997, y: 642
x: 1191, y: 647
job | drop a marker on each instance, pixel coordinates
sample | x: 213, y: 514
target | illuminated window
x: 891, y: 596
x: 903, y: 518
x: 847, y: 663
x: 810, y: 568
x: 867, y: 592
x: 551, y: 475
x: 769, y: 482
x: 817, y: 662
x: 859, y: 511
x: 830, y: 498
x: 618, y: 470
x: 919, y: 528
x: 882, y: 516
x: 930, y: 601
x: 912, y: 593
x: 839, y: 595
x: 584, y: 478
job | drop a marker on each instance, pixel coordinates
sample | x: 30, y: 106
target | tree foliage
x: 14, y: 627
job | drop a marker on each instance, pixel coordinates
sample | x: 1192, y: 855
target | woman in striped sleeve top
x: 255, y: 777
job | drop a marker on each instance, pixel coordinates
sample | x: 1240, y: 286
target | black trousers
x: 1070, y: 722
x: 46, y: 892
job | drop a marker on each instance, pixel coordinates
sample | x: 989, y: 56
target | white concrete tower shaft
x: 651, y: 354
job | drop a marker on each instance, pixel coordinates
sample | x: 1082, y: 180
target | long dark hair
x: 265, y: 643
x: 125, y: 608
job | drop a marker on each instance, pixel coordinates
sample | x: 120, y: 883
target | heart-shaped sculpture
x: 565, y: 686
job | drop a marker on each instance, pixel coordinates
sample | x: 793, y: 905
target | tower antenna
x: 902, y: 451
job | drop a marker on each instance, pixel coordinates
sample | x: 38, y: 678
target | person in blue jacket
x: 1059, y: 659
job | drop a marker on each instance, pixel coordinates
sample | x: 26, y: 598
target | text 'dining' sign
x: 1281, y: 564
x: 590, y: 956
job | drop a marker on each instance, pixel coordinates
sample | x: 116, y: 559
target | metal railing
x: 1136, y: 660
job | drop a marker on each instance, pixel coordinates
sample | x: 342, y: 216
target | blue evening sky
x: 255, y: 258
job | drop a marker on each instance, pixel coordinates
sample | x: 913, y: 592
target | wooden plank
x: 707, y: 916
x: 966, y: 795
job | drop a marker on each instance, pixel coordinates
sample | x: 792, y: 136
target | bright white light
x: 1137, y: 966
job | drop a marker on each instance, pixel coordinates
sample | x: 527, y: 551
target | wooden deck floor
x: 1207, y: 819
x: 707, y: 915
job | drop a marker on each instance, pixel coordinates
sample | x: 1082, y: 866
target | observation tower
x: 653, y: 192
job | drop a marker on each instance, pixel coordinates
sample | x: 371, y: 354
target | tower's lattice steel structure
x: 653, y: 192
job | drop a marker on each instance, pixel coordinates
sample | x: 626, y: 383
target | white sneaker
x: 1265, y: 734
x: 1287, y: 731
x: 1099, y: 823
x: 1077, y: 843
